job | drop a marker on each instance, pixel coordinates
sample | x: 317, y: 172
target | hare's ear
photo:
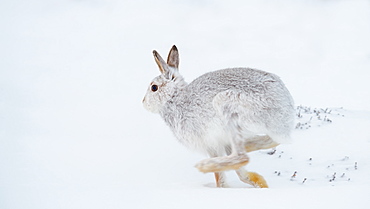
x: 173, y: 57
x: 160, y: 62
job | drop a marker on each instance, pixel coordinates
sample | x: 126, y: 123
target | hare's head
x: 162, y: 88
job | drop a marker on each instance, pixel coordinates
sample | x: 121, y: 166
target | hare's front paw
x: 218, y: 164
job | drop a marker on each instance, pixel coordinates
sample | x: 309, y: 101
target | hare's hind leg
x: 253, y: 144
x: 251, y: 178
x: 259, y: 142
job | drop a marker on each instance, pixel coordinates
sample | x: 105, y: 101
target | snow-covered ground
x: 73, y: 132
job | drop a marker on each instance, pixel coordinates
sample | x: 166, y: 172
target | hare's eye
x: 154, y: 88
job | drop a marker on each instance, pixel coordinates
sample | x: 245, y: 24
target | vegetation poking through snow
x: 321, y: 170
x: 308, y: 117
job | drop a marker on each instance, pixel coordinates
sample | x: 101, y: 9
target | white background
x: 73, y: 132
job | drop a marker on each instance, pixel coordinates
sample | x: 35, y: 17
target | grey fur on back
x: 191, y: 112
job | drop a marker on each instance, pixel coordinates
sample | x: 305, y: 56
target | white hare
x: 225, y: 113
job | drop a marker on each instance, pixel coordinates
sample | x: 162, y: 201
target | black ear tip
x: 174, y: 48
x: 156, y: 54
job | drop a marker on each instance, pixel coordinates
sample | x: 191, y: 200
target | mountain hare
x: 225, y: 113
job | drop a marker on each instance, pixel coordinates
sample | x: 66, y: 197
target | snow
x: 74, y: 134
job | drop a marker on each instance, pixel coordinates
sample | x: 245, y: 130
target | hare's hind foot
x: 218, y: 164
x: 252, y: 178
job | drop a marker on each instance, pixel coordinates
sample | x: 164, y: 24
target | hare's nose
x: 143, y: 100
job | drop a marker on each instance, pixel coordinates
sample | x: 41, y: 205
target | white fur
x: 220, y: 111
